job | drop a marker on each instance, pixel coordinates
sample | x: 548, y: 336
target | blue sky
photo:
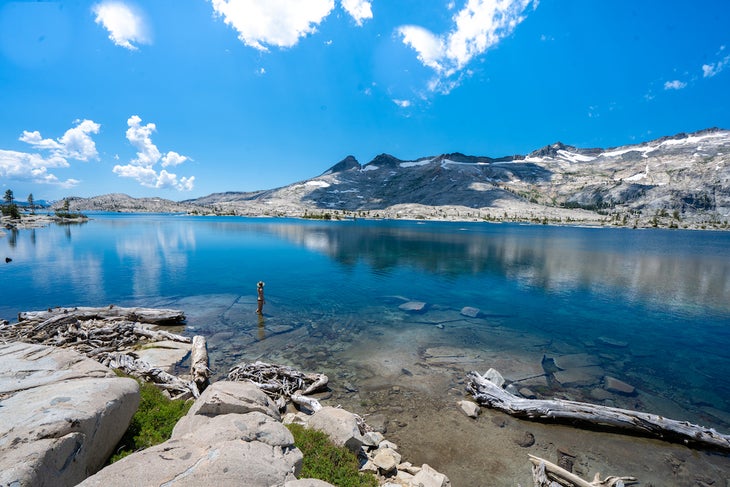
x: 183, y: 98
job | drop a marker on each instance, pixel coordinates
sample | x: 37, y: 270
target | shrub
x: 325, y: 461
x: 153, y: 422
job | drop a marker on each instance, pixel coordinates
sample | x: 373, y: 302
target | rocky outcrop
x: 61, y: 415
x: 231, y: 436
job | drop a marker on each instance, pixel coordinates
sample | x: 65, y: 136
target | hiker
x: 260, y: 301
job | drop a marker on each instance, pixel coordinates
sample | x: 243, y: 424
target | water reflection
x: 261, y: 327
x: 636, y: 264
x: 13, y: 238
x: 153, y: 251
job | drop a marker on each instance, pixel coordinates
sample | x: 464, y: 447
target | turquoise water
x: 652, y: 306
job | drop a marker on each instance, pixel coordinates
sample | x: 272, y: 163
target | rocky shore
x: 62, y: 413
x: 427, y: 414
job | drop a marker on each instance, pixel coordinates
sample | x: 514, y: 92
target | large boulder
x: 61, y: 415
x: 340, y: 425
x: 232, y: 435
x: 229, y: 397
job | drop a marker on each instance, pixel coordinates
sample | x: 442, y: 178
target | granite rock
x: 61, y: 415
x: 340, y: 425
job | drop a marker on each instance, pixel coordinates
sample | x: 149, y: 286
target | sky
x: 184, y: 98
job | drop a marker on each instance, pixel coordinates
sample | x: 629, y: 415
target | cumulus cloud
x: 674, y: 85
x: 359, y: 10
x: 481, y: 24
x: 141, y: 168
x: 124, y: 22
x: 172, y: 158
x: 76, y: 143
x: 402, y: 103
x: 278, y: 23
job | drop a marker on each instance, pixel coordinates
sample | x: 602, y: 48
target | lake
x: 648, y: 307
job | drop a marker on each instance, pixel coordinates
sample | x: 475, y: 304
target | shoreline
x: 558, y: 217
x: 411, y: 394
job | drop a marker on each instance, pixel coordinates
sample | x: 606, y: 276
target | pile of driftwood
x: 109, y: 335
x: 281, y: 382
x: 491, y: 395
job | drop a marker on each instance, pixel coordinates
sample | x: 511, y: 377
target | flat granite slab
x: 61, y: 415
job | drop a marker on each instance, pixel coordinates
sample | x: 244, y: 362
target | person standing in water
x: 260, y: 300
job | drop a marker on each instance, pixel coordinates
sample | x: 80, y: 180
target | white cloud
x: 126, y: 23
x: 140, y: 137
x: 279, y: 23
x: 430, y: 48
x: 402, y: 103
x: 675, y: 85
x: 710, y: 70
x: 481, y: 24
x: 141, y: 168
x: 172, y: 158
x: 359, y: 10
x: 76, y: 144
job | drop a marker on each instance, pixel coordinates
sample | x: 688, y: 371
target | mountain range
x: 681, y: 180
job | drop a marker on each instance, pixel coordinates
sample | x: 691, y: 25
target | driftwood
x: 178, y: 388
x: 308, y: 402
x: 109, y: 336
x: 546, y: 474
x: 145, y: 315
x: 488, y: 394
x: 199, y: 370
x: 281, y: 382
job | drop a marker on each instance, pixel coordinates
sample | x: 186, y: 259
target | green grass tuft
x: 325, y: 461
x: 153, y: 422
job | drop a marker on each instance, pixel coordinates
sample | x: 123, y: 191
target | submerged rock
x: 525, y: 440
x: 470, y: 312
x: 612, y: 343
x: 579, y: 377
x: 617, y: 386
x: 413, y: 306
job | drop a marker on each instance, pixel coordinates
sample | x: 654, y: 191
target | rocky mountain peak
x: 384, y: 160
x: 550, y: 150
x: 345, y: 164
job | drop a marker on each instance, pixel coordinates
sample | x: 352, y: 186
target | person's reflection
x: 262, y: 329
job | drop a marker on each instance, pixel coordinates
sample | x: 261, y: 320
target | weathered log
x: 146, y: 315
x: 160, y: 335
x: 488, y: 394
x: 308, y: 402
x: 547, y: 474
x: 199, y: 370
x: 144, y: 370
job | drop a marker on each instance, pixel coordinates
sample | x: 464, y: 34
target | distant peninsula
x: 680, y: 181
